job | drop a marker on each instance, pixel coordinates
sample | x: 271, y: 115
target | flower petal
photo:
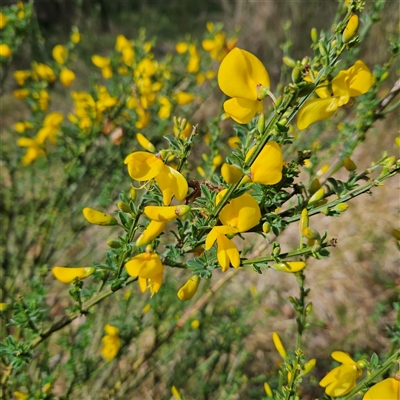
x: 239, y: 74
x: 227, y: 251
x: 143, y: 166
x: 360, y: 79
x: 267, y: 167
x: 242, y: 213
x: 388, y: 389
x: 241, y: 110
x: 342, y: 357
x: 67, y: 275
x: 315, y: 110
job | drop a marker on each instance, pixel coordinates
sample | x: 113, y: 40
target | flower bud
x: 67, y: 275
x: 276, y: 251
x: 309, y: 308
x: 114, y: 244
x: 145, y: 143
x: 322, y: 49
x: 266, y: 227
x: 297, y: 76
x: 317, y: 196
x: 290, y: 266
x: 304, y: 220
x: 308, y: 366
x: 98, y: 218
x: 349, y: 164
x: 278, y: 102
x: 315, y: 185
x: 124, y: 207
x: 188, y: 290
x: 217, y: 160
x: 132, y: 193
x: 314, y: 35
x: 351, y: 29
x: 261, y: 124
x: 305, y: 61
x: 278, y: 345
x: 341, y: 207
x: 289, y: 62
x: 311, y: 234
x: 268, y: 390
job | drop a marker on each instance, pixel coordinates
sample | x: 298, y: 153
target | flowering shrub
x: 187, y: 200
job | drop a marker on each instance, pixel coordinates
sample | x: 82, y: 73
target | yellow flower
x: 43, y: 71
x: 267, y: 167
x: 175, y: 393
x: 387, y: 389
x: 278, y: 345
x: 111, y: 342
x: 227, y: 252
x: 194, y: 60
x: 60, y: 54
x: 159, y: 217
x: 3, y: 20
x: 50, y: 127
x: 33, y: 152
x: 76, y: 37
x: 21, y: 395
x: 21, y: 94
x: 148, y: 268
x: 184, y: 98
x: 181, y: 47
x: 234, y: 142
x: 290, y: 266
x: 21, y: 76
x: 98, y: 218
x: 145, y: 143
x: 104, y: 64
x: 144, y: 166
x: 67, y: 275
x: 240, y: 215
x: 240, y: 76
x: 5, y: 50
x: 67, y: 77
x: 268, y: 390
x: 165, y: 107
x: 231, y: 173
x: 341, y: 380
x: 351, y: 29
x: 188, y: 290
x: 349, y: 83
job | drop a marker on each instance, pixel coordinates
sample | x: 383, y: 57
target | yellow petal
x: 315, y: 110
x: 67, y: 275
x: 154, y: 229
x: 165, y: 214
x: 278, y: 345
x: 98, y: 218
x: 342, y: 357
x: 155, y: 283
x: 145, y: 143
x: 145, y: 265
x: 143, y: 166
x: 341, y: 380
x: 242, y: 213
x: 267, y: 167
x: 227, y: 252
x: 171, y: 182
x: 231, y: 173
x: 111, y: 330
x: 388, y: 389
x: 188, y: 290
x: 360, y: 79
x: 241, y: 110
x: 100, y: 62
x: 290, y: 266
x: 240, y: 73
x: 67, y: 77
x: 111, y: 346
x: 211, y: 238
x: 184, y: 98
